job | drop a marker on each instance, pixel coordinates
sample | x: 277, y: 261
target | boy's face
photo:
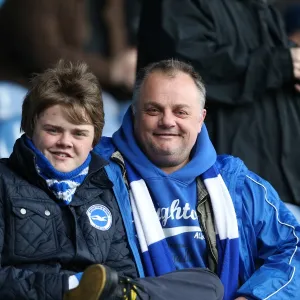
x: 64, y: 144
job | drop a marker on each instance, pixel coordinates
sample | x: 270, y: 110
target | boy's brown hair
x: 70, y: 85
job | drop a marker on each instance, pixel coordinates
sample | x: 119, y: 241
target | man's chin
x: 163, y: 149
x: 164, y: 159
x: 163, y: 153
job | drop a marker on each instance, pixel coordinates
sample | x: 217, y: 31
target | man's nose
x: 167, y: 119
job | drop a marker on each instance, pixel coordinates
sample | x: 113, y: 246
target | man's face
x: 64, y: 144
x: 168, y: 119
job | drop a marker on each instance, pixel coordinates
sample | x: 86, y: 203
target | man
x: 241, y: 50
x: 192, y: 208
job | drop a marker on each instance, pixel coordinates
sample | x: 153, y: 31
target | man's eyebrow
x: 182, y: 106
x: 152, y: 103
x: 157, y: 104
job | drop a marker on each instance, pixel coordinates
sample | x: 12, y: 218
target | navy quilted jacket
x: 42, y: 243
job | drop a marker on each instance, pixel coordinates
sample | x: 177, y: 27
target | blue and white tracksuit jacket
x: 269, y: 234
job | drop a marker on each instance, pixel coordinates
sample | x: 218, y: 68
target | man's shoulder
x: 230, y: 164
x: 236, y: 175
x: 105, y: 147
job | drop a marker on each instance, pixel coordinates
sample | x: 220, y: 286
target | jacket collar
x: 22, y: 161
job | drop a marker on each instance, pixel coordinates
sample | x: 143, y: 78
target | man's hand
x: 295, y: 53
x: 241, y: 298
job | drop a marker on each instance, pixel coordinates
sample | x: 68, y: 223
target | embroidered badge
x: 100, y: 217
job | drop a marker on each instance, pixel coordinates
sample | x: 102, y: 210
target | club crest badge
x: 100, y: 217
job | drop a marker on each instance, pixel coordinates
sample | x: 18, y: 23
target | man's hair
x: 170, y: 68
x: 70, y: 85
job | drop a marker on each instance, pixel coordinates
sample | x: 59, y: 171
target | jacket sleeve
x: 189, y: 30
x: 273, y: 241
x: 23, y: 284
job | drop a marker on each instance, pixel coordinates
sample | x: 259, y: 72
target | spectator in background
x: 241, y: 50
x: 114, y: 25
x: 34, y: 34
x: 292, y: 22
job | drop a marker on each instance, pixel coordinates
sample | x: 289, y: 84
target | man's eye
x: 152, y: 110
x: 182, y: 112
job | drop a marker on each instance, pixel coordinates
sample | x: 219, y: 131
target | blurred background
x: 34, y: 34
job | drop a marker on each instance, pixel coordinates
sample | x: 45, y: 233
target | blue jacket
x: 269, y: 233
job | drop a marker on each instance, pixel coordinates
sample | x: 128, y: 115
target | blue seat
x: 11, y: 99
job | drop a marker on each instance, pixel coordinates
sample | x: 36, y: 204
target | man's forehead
x: 168, y: 75
x: 160, y: 104
x: 158, y: 81
x: 169, y: 88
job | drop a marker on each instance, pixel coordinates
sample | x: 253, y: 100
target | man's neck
x: 172, y: 169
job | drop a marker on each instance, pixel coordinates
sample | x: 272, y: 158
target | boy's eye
x: 80, y: 133
x: 52, y: 130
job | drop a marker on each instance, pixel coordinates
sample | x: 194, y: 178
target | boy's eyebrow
x: 81, y: 130
x: 53, y: 126
x: 62, y: 129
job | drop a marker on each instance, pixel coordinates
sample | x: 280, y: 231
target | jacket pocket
x: 33, y: 228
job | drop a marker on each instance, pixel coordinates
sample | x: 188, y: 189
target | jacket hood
x: 203, y: 155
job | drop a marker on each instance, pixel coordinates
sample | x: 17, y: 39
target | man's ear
x: 132, y: 107
x: 202, y: 118
x: 203, y: 114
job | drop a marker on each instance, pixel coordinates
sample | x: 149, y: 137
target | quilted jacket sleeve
x: 273, y: 270
x: 120, y: 257
x: 24, y: 284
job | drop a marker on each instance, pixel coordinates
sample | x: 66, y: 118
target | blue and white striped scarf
x: 62, y: 184
x: 155, y: 251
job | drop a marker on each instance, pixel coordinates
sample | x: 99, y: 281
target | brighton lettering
x: 176, y: 212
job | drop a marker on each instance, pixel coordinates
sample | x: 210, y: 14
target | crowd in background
x: 35, y: 34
